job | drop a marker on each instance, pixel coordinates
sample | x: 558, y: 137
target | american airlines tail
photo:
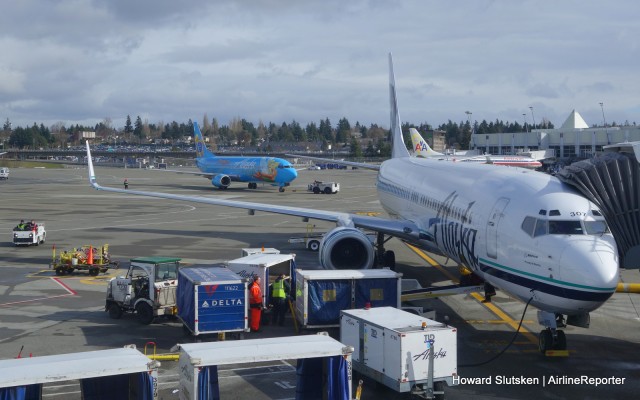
x: 399, y: 148
x: 201, y: 147
x: 421, y: 148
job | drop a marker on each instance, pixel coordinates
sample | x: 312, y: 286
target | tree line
x: 362, y: 140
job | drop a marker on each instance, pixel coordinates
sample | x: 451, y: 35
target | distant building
x: 574, y: 139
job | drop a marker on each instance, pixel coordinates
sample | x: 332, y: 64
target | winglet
x: 421, y: 148
x: 92, y: 175
x: 399, y: 148
x: 201, y: 146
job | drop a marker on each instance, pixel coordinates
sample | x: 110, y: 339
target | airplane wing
x: 402, y: 229
x: 329, y: 160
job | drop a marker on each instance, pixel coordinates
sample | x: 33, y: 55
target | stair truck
x: 403, y: 351
x: 212, y: 299
x: 148, y: 289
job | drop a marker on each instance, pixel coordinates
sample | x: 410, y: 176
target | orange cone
x: 90, y: 256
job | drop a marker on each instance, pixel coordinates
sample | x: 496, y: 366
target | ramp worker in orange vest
x: 255, y: 304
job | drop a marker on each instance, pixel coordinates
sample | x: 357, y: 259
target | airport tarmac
x: 43, y: 314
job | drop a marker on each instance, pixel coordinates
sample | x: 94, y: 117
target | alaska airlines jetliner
x: 224, y: 170
x: 521, y: 231
x: 422, y: 149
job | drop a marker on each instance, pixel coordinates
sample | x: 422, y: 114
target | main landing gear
x: 386, y: 259
x: 253, y: 185
x: 551, y: 338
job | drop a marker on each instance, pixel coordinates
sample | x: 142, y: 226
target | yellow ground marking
x: 480, y: 298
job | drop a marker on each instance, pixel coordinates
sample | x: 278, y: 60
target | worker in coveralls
x: 255, y: 304
x: 280, y: 288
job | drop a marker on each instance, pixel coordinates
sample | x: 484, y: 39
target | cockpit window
x: 565, y: 228
x: 598, y: 227
x: 541, y: 228
x: 284, y: 166
x: 536, y: 227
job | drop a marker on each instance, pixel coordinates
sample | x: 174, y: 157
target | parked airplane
x: 223, y: 170
x: 522, y: 231
x: 422, y: 149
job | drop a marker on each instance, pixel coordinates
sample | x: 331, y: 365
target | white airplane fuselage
x: 476, y: 216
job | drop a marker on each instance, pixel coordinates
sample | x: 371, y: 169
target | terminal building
x: 573, y: 140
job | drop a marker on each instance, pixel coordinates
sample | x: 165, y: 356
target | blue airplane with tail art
x: 253, y: 170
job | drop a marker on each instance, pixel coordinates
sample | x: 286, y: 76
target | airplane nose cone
x: 591, y: 263
x: 293, y: 174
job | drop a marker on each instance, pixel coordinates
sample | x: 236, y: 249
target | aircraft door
x: 492, y: 226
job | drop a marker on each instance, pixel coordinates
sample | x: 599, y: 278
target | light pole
x: 604, y: 121
x: 524, y: 118
x: 533, y: 117
x: 469, y: 119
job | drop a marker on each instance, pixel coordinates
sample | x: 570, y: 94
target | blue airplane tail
x: 201, y: 146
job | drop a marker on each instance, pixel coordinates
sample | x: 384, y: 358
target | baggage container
x: 266, y: 266
x: 323, y: 370
x: 394, y: 347
x: 212, y: 299
x: 320, y: 295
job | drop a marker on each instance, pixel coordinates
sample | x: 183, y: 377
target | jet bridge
x: 612, y: 181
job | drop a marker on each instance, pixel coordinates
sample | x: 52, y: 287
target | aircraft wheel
x: 389, y: 260
x: 545, y: 341
x: 281, y: 189
x: 561, y: 342
x: 314, y: 245
x: 115, y: 312
x: 145, y: 313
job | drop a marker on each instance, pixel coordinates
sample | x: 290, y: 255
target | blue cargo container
x: 212, y: 299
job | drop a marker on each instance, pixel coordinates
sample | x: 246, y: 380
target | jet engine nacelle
x: 346, y: 248
x: 221, y: 181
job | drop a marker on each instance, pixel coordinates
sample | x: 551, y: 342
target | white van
x: 4, y: 173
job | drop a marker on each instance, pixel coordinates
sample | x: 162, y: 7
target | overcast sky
x: 81, y: 61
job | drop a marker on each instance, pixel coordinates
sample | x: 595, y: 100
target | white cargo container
x: 320, y: 295
x: 101, y: 371
x: 392, y: 347
x: 255, y: 250
x: 265, y: 266
x: 198, y: 363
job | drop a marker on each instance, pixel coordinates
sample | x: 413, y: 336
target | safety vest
x: 278, y: 289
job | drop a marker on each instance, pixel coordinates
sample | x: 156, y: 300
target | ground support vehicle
x: 212, y: 299
x: 4, y: 173
x: 320, y: 295
x: 86, y: 258
x: 29, y: 234
x: 318, y: 187
x: 311, y: 239
x: 403, y: 351
x: 148, y: 289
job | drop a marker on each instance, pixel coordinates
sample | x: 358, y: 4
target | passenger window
x: 528, y: 224
x: 541, y: 228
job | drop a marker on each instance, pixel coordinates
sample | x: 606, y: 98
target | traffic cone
x: 90, y: 256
